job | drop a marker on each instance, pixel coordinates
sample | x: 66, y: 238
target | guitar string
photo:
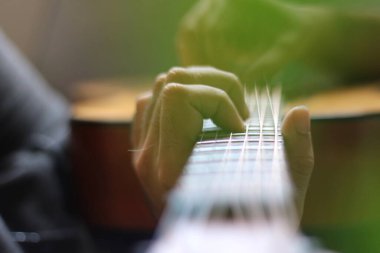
x: 212, y: 186
x: 275, y: 174
x: 265, y: 103
x: 280, y: 175
x: 253, y: 185
x: 260, y: 103
x: 261, y: 110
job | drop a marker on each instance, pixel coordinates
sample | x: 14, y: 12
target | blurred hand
x: 169, y: 121
x: 254, y: 39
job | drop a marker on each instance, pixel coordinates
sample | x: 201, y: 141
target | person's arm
x: 29, y: 108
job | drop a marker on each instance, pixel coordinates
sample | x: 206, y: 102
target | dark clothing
x: 34, y: 216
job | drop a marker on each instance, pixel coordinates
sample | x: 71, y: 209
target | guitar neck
x: 249, y: 167
x: 235, y: 194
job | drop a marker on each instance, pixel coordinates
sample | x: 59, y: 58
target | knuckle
x: 221, y: 99
x: 234, y: 78
x: 140, y: 104
x: 161, y: 78
x: 176, y: 74
x: 221, y: 94
x: 234, y: 81
x: 173, y: 90
x: 143, y: 100
x: 208, y: 68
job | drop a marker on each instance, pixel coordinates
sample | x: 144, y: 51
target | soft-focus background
x: 74, y: 40
x: 70, y: 41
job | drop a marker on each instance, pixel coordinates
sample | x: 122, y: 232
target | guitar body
x: 341, y: 205
x: 107, y: 188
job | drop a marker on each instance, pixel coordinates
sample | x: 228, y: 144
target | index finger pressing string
x: 183, y: 108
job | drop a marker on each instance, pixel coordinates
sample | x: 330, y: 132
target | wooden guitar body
x: 342, y: 205
x: 108, y: 191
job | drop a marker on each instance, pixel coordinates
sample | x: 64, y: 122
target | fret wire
x: 219, y: 150
x: 231, y: 161
x: 232, y: 155
x: 224, y: 142
x: 251, y: 130
x: 236, y: 141
x: 195, y: 170
x: 257, y: 151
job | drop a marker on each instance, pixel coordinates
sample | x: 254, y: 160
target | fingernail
x: 302, y: 119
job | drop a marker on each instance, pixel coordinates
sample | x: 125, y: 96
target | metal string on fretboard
x: 243, y: 175
x: 235, y: 193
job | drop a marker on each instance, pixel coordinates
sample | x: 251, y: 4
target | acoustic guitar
x: 340, y: 208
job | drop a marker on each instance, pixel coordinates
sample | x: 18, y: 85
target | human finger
x: 160, y: 81
x: 226, y: 81
x: 185, y: 107
x: 139, y: 125
x: 223, y: 80
x: 299, y: 150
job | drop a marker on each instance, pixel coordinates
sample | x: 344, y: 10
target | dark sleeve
x: 33, y: 135
x: 27, y: 105
x: 7, y: 244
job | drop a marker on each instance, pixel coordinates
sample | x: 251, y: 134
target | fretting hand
x: 169, y: 121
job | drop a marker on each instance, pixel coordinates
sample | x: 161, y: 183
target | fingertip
x: 302, y: 119
x: 298, y: 118
x: 241, y: 127
x: 144, y: 96
x: 238, y: 125
x: 233, y: 123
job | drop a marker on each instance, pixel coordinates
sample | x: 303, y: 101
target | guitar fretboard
x: 235, y: 194
x: 239, y: 174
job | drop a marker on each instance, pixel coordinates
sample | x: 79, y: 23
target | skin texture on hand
x: 299, y: 152
x: 169, y: 121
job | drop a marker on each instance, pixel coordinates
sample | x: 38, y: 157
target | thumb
x: 299, y: 151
